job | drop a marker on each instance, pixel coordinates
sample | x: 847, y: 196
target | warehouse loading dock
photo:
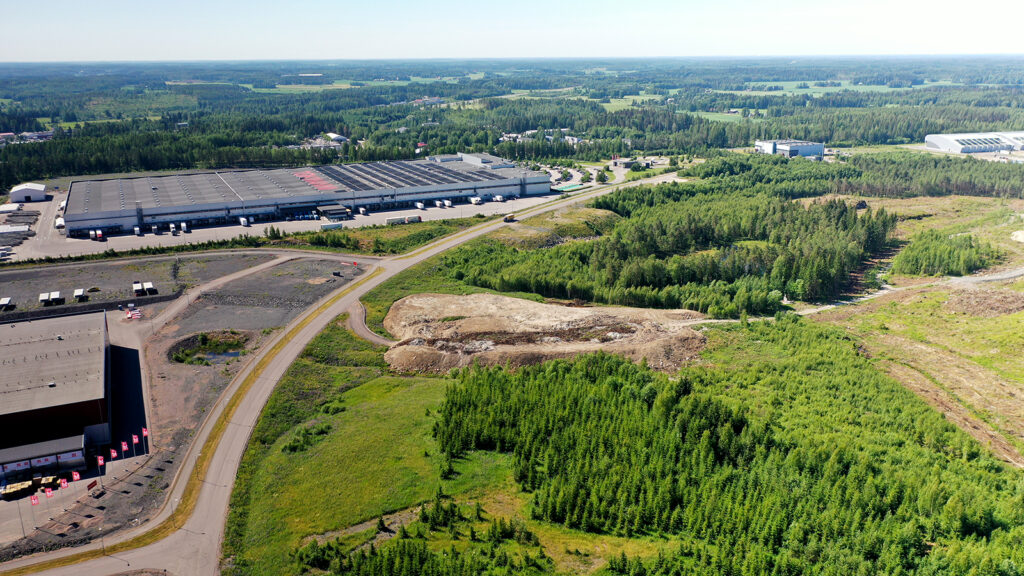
x: 55, y: 393
x: 157, y: 202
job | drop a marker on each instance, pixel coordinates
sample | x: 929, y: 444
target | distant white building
x: 790, y: 148
x: 975, y: 142
x: 28, y: 192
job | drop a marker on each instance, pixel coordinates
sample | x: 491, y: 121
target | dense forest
x: 931, y: 253
x: 731, y: 243
x: 795, y: 457
x: 606, y: 446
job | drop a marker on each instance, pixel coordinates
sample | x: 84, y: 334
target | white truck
x: 242, y: 220
x: 499, y: 198
x: 411, y: 219
x: 138, y: 231
x: 174, y: 230
x: 476, y: 200
x: 362, y: 211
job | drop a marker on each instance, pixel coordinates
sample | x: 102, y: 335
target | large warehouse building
x: 790, y: 148
x: 54, y: 393
x: 218, y: 197
x: 975, y: 142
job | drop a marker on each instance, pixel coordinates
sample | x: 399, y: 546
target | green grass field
x: 379, y: 457
x: 723, y: 117
x: 379, y: 239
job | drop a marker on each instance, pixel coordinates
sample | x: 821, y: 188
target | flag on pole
x: 113, y: 454
x: 145, y: 432
x: 63, y: 482
x: 99, y: 461
x: 34, y: 500
x: 75, y: 476
x: 124, y: 446
x: 49, y: 493
x: 135, y: 439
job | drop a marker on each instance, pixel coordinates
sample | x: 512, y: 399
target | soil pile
x: 439, y: 332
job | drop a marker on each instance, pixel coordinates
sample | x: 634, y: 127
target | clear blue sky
x: 74, y: 30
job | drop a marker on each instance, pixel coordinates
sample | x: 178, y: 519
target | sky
x: 105, y: 30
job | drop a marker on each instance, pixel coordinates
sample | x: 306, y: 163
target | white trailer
x: 44, y: 298
x: 332, y: 226
x: 148, y: 288
x: 99, y: 234
x: 447, y: 203
x: 92, y: 234
x: 438, y: 204
x: 420, y: 206
x: 411, y: 219
x: 174, y: 230
x: 138, y: 231
x: 476, y: 200
x: 184, y: 227
x: 362, y: 211
x: 137, y: 288
x: 499, y: 198
x: 79, y: 294
x: 395, y: 220
x: 243, y: 221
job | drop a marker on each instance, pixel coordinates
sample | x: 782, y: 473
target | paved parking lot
x: 50, y: 242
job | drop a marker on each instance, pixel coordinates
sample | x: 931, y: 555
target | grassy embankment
x: 430, y: 275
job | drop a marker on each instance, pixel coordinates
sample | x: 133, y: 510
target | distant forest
x: 125, y: 117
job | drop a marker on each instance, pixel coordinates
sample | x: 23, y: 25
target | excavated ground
x: 438, y: 332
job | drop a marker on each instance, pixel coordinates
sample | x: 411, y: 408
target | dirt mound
x: 984, y: 303
x: 441, y: 332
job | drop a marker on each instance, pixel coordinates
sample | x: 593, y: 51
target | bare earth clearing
x: 439, y: 332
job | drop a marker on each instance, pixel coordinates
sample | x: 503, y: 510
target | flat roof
x: 236, y: 187
x: 52, y: 362
x: 48, y: 448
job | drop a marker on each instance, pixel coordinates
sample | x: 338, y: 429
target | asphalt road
x: 194, y: 548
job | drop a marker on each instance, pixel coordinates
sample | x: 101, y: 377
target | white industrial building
x: 121, y: 204
x: 790, y: 148
x: 973, y: 143
x: 28, y: 192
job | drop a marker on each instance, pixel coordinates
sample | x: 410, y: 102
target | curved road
x: 192, y: 545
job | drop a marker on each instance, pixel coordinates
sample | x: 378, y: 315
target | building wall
x: 28, y: 195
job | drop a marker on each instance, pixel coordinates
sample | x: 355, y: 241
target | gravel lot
x: 114, y: 279
x: 266, y: 299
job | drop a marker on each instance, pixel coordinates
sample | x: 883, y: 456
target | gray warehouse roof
x: 52, y: 362
x: 231, y: 187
